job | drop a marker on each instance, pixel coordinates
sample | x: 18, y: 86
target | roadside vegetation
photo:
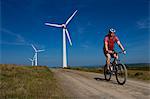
x: 135, y: 71
x: 28, y: 82
x: 139, y: 71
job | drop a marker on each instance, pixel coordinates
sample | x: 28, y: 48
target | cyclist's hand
x: 124, y: 52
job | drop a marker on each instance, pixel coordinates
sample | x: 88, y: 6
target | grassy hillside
x: 26, y: 82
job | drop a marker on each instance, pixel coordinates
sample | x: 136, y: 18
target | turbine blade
x: 30, y: 59
x: 41, y: 50
x: 54, y: 25
x: 71, y: 17
x: 68, y: 36
x: 33, y: 47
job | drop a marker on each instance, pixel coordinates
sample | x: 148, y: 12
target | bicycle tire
x: 106, y: 74
x: 121, y: 73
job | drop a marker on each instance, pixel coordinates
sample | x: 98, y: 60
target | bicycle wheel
x: 107, y: 73
x: 121, y: 73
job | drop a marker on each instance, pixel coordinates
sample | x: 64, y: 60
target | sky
x: 22, y: 24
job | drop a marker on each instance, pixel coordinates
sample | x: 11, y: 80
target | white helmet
x: 112, y: 30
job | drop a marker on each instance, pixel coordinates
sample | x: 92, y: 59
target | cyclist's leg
x: 115, y: 55
x: 108, y: 57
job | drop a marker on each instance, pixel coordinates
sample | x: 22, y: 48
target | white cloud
x: 84, y: 28
x: 18, y: 39
x: 85, y: 46
x: 12, y: 43
x: 143, y: 23
x: 81, y: 30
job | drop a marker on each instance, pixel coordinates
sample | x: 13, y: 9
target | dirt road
x: 86, y: 85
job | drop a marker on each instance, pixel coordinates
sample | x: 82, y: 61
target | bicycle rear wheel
x: 107, y: 73
x: 121, y: 73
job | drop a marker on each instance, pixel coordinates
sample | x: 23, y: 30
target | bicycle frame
x: 117, y: 61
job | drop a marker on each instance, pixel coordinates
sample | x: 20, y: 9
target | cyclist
x: 109, y: 41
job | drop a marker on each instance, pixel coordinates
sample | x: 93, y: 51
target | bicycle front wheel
x: 121, y: 73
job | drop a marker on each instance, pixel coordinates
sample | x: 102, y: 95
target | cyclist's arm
x: 106, y: 46
x: 120, y: 45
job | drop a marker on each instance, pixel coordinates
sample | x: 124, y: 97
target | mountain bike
x: 118, y: 69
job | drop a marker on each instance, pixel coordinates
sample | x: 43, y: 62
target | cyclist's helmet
x: 112, y: 30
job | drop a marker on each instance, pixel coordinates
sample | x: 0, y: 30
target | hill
x: 27, y: 82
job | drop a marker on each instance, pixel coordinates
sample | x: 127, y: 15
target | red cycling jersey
x: 111, y: 41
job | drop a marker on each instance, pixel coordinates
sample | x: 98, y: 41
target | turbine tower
x: 65, y: 32
x: 36, y: 55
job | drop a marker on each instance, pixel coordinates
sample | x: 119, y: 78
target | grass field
x: 38, y: 82
x: 26, y: 82
x: 135, y: 71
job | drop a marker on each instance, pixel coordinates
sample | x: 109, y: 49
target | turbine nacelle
x: 36, y: 49
x: 64, y: 26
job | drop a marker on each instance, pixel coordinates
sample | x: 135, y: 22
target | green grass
x: 26, y: 82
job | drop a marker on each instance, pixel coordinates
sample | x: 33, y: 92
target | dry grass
x: 26, y: 82
x: 139, y: 73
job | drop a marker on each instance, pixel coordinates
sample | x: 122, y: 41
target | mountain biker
x: 109, y: 42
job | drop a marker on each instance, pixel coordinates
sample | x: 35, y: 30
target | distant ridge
x: 97, y: 66
x: 139, y: 64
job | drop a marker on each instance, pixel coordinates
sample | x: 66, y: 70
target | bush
x: 138, y: 74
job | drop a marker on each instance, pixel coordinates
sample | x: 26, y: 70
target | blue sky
x: 22, y: 24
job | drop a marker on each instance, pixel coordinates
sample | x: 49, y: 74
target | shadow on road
x: 99, y: 79
x: 103, y: 79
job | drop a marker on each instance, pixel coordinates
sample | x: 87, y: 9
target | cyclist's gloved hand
x: 124, y: 52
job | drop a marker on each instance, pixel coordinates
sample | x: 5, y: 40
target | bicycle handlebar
x: 119, y: 52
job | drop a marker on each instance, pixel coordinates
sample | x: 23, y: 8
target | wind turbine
x: 65, y: 32
x: 32, y: 60
x: 36, y: 55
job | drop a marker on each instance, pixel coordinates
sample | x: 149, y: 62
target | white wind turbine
x: 32, y: 60
x: 36, y: 55
x: 65, y: 32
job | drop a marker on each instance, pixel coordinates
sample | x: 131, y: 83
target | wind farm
x: 36, y: 51
x: 74, y: 49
